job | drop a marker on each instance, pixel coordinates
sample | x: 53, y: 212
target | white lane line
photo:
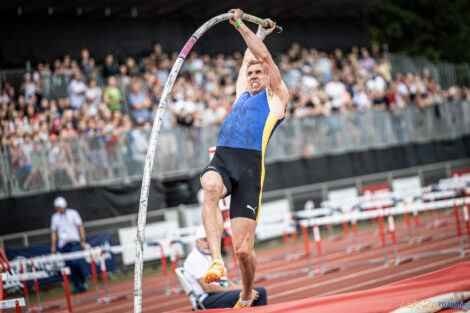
x: 343, y: 278
x: 353, y: 275
x: 368, y: 282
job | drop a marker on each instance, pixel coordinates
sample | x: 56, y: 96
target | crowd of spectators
x: 70, y: 98
x: 119, y: 96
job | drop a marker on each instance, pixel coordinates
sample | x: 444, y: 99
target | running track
x: 302, y: 286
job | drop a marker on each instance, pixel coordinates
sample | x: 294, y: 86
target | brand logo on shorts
x: 252, y: 208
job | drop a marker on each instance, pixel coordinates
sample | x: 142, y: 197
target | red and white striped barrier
x: 25, y: 289
x: 95, y: 278
x: 317, y: 238
x: 104, y: 275
x: 67, y: 290
x: 459, y: 229
x: 391, y: 227
x: 467, y: 220
x: 382, y: 235
x: 36, y: 287
x: 174, y: 258
x: 303, y: 226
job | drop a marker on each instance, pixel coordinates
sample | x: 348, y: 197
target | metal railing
x: 58, y: 164
x: 297, y: 196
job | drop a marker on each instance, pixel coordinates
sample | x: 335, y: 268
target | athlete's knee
x: 212, y: 188
x: 243, y: 253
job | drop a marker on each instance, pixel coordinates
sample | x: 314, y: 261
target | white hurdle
x: 12, y: 303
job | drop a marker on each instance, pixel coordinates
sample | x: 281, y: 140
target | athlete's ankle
x: 246, y: 299
x: 219, y: 260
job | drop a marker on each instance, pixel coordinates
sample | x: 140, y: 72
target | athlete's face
x: 255, y: 78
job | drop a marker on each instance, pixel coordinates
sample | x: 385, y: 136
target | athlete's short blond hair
x: 252, y: 62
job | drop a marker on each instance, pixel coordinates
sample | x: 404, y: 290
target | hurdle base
x: 335, y: 238
x: 51, y: 307
x: 112, y: 299
x: 403, y: 261
x: 440, y: 224
x: 365, y: 247
x: 301, y: 256
x: 329, y: 270
x: 426, y: 239
x: 36, y: 309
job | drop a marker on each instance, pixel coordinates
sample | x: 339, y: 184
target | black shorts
x: 241, y: 174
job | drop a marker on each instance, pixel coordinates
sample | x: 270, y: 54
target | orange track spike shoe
x: 215, y: 273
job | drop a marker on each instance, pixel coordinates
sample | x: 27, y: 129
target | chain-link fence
x: 30, y: 167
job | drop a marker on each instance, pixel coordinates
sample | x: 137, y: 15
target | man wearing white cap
x: 67, y: 230
x: 222, y: 294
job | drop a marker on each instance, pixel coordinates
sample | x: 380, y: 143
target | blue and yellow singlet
x: 249, y: 124
x: 239, y: 156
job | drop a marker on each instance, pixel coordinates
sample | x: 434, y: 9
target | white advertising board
x: 270, y: 217
x: 407, y: 186
x: 160, y: 232
x: 343, y: 198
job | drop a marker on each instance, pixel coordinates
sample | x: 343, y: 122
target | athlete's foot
x: 215, y: 273
x: 245, y: 304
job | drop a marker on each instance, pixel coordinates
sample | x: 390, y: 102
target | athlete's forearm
x: 255, y: 44
x: 248, y: 54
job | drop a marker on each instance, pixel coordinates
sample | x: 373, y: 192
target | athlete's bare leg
x: 243, y: 233
x: 214, y: 190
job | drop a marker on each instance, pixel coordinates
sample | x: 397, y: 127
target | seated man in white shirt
x: 214, y: 295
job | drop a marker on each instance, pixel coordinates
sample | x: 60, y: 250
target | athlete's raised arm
x: 262, y: 32
x: 275, y: 86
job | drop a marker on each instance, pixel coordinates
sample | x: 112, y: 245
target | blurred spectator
x: 28, y: 88
x: 367, y: 62
x: 139, y: 103
x: 20, y: 155
x: 335, y: 90
x: 76, y: 91
x: 85, y: 64
x: 93, y: 96
x: 138, y: 143
x: 60, y: 161
x: 185, y: 111
x: 132, y: 69
x: 214, y: 113
x: 109, y: 68
x: 112, y: 95
x: 122, y: 79
x: 361, y: 99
